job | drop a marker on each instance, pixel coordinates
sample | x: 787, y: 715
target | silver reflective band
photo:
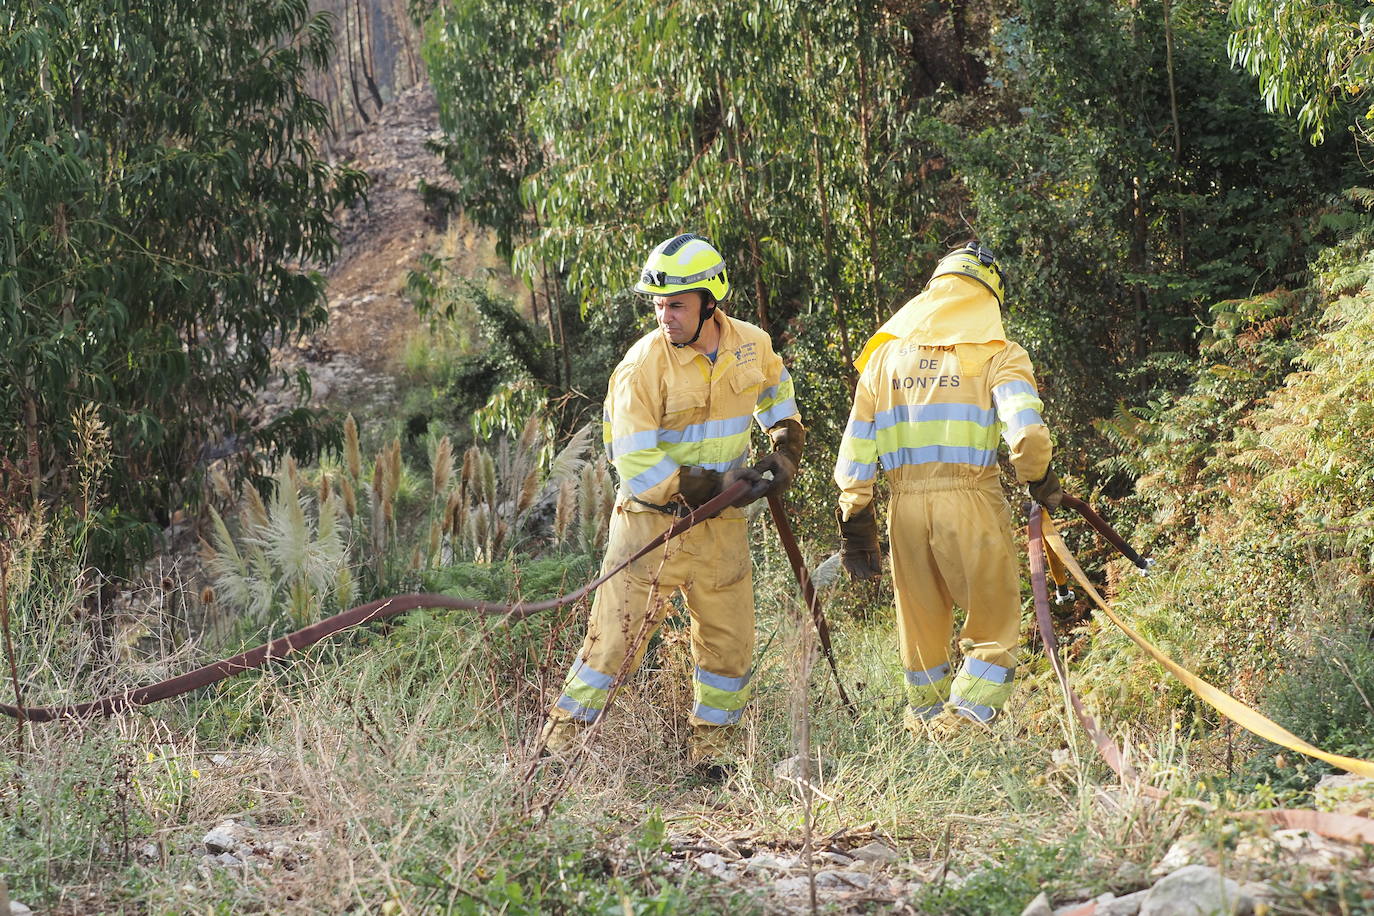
x: 659, y: 278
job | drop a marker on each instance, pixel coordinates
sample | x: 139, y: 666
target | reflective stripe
x: 987, y: 671
x: 711, y: 429
x: 716, y: 716
x: 1018, y: 406
x: 859, y: 429
x: 577, y: 710
x: 927, y: 687
x: 654, y: 476
x: 933, y: 454
x: 720, y: 700
x: 777, y: 403
x: 777, y: 413
x: 590, y: 676
x: 856, y: 470
x: 923, y: 413
x: 1021, y: 419
x: 928, y: 676
x: 1006, y: 390
x: 982, y: 684
x: 634, y: 442
x: 721, y: 682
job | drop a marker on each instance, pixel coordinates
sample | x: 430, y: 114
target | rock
x: 1194, y: 890
x: 1128, y: 905
x: 1040, y: 906
x: 1345, y: 793
x: 1188, y: 850
x: 221, y: 839
x: 835, y: 858
x: 18, y: 909
x: 228, y: 860
x: 843, y: 879
x: 715, y: 866
x: 149, y: 851
x: 875, y: 852
x: 765, y: 862
x: 1291, y: 848
x: 789, y: 887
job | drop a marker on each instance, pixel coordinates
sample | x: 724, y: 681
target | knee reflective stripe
x: 585, y: 692
x: 931, y: 686
x: 720, y: 700
x: 982, y: 687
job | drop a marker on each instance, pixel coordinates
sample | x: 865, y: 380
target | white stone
x: 1187, y: 851
x: 715, y: 866
x: 1040, y: 906
x: 835, y: 858
x: 221, y: 839
x: 788, y: 887
x: 18, y: 909
x: 877, y: 852
x: 1194, y: 890
x: 842, y: 879
x: 765, y: 862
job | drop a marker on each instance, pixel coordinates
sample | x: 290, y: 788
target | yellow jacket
x: 669, y: 407
x: 939, y: 383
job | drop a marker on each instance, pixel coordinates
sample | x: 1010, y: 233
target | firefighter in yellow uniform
x: 676, y: 427
x: 939, y: 384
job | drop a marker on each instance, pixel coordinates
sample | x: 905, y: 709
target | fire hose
x: 383, y: 608
x: 1046, y: 543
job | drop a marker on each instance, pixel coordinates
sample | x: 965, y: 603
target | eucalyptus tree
x: 1312, y: 58
x: 160, y: 202
x: 1131, y: 179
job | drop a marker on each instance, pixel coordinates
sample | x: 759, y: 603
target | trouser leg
x: 720, y: 600
x: 977, y: 560
x: 924, y: 606
x: 624, y: 614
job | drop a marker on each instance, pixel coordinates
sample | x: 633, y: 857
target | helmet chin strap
x: 706, y: 312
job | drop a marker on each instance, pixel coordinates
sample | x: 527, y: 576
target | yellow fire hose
x: 1042, y: 527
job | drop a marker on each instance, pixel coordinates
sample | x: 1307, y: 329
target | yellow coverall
x: 667, y: 408
x: 938, y: 384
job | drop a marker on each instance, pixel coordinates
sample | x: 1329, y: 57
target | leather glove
x: 859, y: 551
x: 788, y: 438
x: 757, y: 485
x: 1046, y: 491
x: 698, y: 485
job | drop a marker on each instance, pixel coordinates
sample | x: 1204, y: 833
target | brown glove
x: 757, y: 485
x: 1046, y: 491
x: 788, y: 438
x: 859, y: 551
x: 699, y: 486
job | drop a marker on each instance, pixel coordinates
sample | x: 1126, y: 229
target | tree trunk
x: 829, y: 273
x: 746, y: 209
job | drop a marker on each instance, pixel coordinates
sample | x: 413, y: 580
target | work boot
x: 561, y: 737
x: 712, y: 752
x: 918, y: 722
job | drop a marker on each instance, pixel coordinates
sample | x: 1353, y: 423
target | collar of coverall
x: 950, y: 310
x: 685, y: 355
